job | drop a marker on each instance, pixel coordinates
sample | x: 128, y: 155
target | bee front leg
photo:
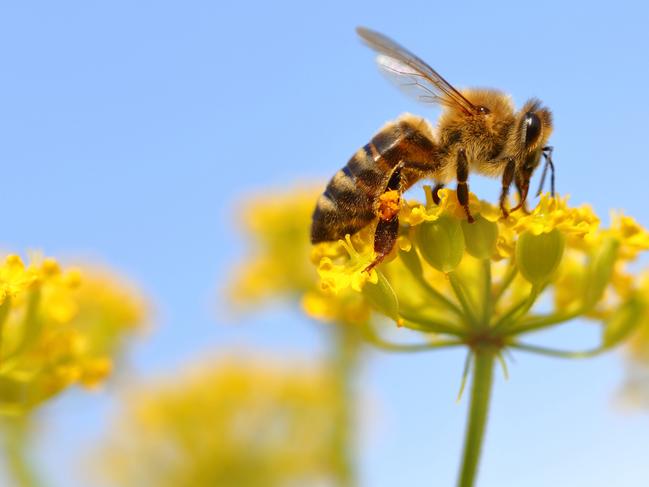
x: 508, y: 177
x: 523, y: 187
x: 436, y: 189
x: 387, y: 228
x: 462, y: 174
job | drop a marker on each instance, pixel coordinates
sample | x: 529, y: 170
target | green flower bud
x: 441, y: 243
x: 600, y: 270
x: 480, y: 237
x: 538, y: 256
x: 622, y: 322
x: 382, y: 297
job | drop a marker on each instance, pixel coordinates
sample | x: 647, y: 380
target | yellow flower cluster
x: 481, y: 281
x: 232, y: 422
x: 279, y: 261
x: 58, y: 327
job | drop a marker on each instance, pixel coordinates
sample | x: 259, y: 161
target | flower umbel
x: 478, y: 284
x: 233, y: 422
x: 58, y: 327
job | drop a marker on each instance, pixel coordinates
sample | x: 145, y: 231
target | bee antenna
x: 547, y: 155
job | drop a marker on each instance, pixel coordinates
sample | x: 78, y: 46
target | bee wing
x: 412, y: 74
x: 409, y: 81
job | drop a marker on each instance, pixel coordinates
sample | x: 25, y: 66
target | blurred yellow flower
x: 238, y: 421
x: 59, y: 327
x: 279, y: 262
x: 633, y: 238
x: 14, y: 277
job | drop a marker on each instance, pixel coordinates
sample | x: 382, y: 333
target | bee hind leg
x: 385, y: 236
x: 462, y: 174
x: 387, y: 228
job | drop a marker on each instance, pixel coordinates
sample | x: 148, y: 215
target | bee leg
x: 385, y: 236
x: 387, y: 228
x: 522, y: 189
x: 508, y: 176
x: 436, y: 189
x: 462, y: 174
x: 523, y: 186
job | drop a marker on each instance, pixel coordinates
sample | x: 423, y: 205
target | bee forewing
x: 426, y: 75
x: 409, y: 80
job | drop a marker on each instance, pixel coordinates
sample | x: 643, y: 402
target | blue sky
x: 130, y: 130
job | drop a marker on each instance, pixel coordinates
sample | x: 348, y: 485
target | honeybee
x: 478, y: 130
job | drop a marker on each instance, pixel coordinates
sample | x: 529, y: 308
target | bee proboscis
x: 478, y: 130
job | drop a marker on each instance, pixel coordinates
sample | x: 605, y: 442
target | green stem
x: 507, y: 280
x: 373, y: 337
x: 487, y: 305
x: 478, y: 412
x: 517, y: 311
x: 434, y: 293
x: 421, y: 323
x: 460, y: 293
x: 559, y: 353
x: 16, y: 454
x: 539, y: 323
x: 344, y: 364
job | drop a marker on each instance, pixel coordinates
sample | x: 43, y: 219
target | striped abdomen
x: 348, y: 203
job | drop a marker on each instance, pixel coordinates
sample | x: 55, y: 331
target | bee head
x: 533, y: 129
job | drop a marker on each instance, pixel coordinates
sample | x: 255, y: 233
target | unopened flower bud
x: 480, y: 237
x: 538, y: 256
x: 382, y: 297
x: 441, y: 243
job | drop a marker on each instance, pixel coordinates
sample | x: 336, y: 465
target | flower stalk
x: 482, y: 382
x: 344, y: 365
x: 19, y: 465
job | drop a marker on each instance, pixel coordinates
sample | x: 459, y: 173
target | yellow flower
x: 632, y: 237
x: 415, y: 213
x: 14, y: 278
x: 480, y: 282
x: 279, y: 263
x: 276, y: 226
x: 231, y: 422
x: 60, y: 329
x: 351, y: 273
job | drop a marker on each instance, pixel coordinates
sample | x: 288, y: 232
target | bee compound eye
x: 483, y: 110
x: 532, y: 125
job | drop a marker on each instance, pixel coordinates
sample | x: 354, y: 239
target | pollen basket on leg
x: 389, y: 204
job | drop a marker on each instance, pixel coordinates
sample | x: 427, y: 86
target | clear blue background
x: 129, y: 130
